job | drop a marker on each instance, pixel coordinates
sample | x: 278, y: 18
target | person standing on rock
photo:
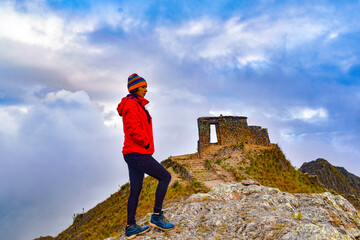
x: 138, y: 149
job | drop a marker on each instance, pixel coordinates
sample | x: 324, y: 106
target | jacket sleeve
x: 134, y: 126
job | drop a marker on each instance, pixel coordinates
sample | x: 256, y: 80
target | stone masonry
x: 230, y: 130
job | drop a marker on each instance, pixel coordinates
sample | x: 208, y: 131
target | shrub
x: 176, y: 184
x: 197, y: 184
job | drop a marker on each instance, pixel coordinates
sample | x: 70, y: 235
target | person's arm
x: 134, y: 127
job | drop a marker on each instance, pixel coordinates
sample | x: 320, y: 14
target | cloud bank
x: 56, y: 154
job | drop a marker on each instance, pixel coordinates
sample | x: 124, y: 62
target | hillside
x: 233, y: 163
x: 334, y: 178
x: 193, y: 174
x: 109, y: 217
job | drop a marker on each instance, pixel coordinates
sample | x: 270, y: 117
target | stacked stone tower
x: 230, y: 130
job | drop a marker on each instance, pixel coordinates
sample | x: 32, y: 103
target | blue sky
x: 290, y: 66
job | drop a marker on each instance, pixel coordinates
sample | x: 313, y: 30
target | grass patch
x: 240, y: 146
x: 176, y: 184
x: 297, y: 216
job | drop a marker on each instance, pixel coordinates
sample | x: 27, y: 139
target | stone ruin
x: 230, y: 130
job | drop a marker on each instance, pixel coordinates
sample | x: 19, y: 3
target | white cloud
x: 195, y: 28
x: 180, y: 94
x: 287, y: 135
x: 40, y: 26
x: 255, y: 61
x: 248, y: 41
x: 46, y: 30
x: 66, y: 96
x: 347, y: 62
x: 336, y: 147
x: 309, y: 114
x: 343, y: 143
x: 333, y: 35
x: 110, y: 115
x: 217, y: 113
x: 10, y: 119
x: 59, y: 146
x: 109, y: 14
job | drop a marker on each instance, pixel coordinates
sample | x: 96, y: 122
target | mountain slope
x: 108, y: 218
x: 233, y: 163
x: 335, y: 178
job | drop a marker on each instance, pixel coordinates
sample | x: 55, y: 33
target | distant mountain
x: 335, y: 178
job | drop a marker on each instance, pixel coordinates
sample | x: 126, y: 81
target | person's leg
x: 136, y: 177
x: 147, y: 164
x: 150, y: 166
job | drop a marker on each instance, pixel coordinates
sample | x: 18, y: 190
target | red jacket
x: 137, y: 125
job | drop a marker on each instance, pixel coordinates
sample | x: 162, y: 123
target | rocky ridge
x: 335, y: 178
x: 235, y: 211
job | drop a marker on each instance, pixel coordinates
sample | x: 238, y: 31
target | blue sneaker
x: 134, y: 230
x: 159, y: 221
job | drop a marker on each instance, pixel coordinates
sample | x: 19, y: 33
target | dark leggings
x: 139, y: 164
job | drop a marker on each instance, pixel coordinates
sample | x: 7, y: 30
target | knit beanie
x: 135, y: 81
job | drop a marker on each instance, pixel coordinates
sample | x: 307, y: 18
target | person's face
x: 141, y: 91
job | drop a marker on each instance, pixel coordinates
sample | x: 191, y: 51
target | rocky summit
x: 334, y: 178
x: 235, y: 211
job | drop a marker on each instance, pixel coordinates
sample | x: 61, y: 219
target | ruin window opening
x: 213, y: 134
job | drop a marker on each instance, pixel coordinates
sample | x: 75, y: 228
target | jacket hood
x: 130, y: 97
x: 121, y: 105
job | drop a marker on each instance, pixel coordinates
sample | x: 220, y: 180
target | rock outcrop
x: 335, y: 178
x: 235, y: 211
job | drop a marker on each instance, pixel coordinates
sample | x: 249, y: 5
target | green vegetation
x: 175, y: 170
x: 219, y: 161
x: 199, y: 185
x: 175, y: 184
x: 296, y: 216
x: 238, y: 174
x: 278, y: 226
x: 271, y: 168
x: 240, y: 146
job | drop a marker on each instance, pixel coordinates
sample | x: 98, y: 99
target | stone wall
x: 230, y: 130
